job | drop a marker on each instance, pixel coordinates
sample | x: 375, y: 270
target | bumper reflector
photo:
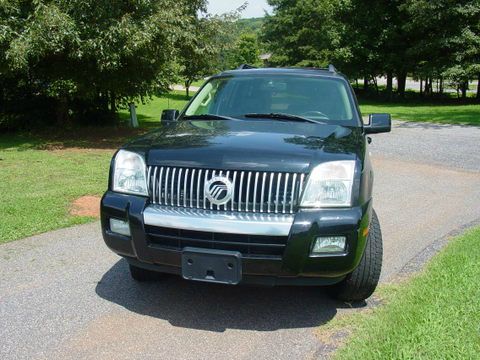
x: 329, y: 244
x: 120, y: 227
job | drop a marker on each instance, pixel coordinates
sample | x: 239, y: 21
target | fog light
x: 329, y: 244
x: 120, y: 227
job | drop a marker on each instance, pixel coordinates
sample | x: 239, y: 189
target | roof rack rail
x: 246, y: 66
x: 332, y: 69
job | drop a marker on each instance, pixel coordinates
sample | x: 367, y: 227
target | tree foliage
x: 201, y: 50
x: 369, y: 38
x: 84, y: 56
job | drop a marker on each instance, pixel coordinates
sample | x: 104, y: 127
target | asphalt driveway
x: 65, y: 295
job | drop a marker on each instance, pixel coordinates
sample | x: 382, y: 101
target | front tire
x: 141, y: 275
x: 362, y: 282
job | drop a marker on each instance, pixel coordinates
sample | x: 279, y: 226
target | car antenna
x: 332, y: 69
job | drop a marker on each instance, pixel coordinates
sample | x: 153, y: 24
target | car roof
x: 284, y: 70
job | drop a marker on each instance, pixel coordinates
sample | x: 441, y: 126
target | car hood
x: 256, y: 145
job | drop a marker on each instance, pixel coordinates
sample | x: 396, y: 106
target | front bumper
x: 295, y: 266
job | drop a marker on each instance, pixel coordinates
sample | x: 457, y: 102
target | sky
x: 255, y: 7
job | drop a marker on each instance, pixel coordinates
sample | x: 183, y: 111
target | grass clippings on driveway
x: 435, y: 315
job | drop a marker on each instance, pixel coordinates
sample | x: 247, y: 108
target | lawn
x: 416, y: 111
x: 148, y: 114
x: 38, y: 186
x: 435, y: 315
x: 41, y: 175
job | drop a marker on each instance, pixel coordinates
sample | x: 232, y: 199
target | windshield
x: 322, y: 99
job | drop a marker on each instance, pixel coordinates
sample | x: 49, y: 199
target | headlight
x: 330, y: 185
x: 129, y: 173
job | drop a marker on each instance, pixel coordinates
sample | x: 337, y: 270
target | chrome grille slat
x: 247, y: 193
x: 226, y: 204
x: 166, y: 185
x: 213, y: 175
x: 198, y: 188
x: 185, y: 179
x: 234, y: 182
x: 240, y: 192
x: 192, y: 177
x: 160, y: 179
x: 179, y: 180
x: 149, y: 171
x: 153, y: 185
x: 253, y: 191
x: 172, y: 188
x: 270, y: 192
x: 278, y: 192
x: 204, y: 197
x: 292, y: 198
x: 262, y: 192
x: 285, y: 194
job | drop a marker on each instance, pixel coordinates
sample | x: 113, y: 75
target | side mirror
x: 170, y: 115
x: 378, y: 123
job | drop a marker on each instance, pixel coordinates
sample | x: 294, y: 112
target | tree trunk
x: 428, y: 86
x: 402, y: 81
x: 113, y: 106
x: 187, y: 87
x: 374, y: 80
x: 421, y: 87
x: 440, y: 90
x: 478, y: 88
x: 464, y: 89
x: 62, y: 111
x: 365, y: 83
x: 389, y: 84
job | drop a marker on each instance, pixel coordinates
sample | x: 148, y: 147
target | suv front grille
x: 253, y: 245
x: 253, y: 191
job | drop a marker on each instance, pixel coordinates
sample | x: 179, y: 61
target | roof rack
x: 332, y: 69
x: 246, y: 66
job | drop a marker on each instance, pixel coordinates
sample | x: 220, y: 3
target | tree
x: 370, y: 38
x: 448, y: 38
x: 88, y: 55
x: 305, y: 32
x: 199, y: 50
x: 204, y: 47
x: 245, y: 51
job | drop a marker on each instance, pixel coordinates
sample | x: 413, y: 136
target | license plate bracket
x: 211, y: 265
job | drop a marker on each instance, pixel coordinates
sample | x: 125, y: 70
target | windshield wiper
x: 281, y: 116
x: 207, y: 117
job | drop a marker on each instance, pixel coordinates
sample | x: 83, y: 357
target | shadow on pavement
x: 216, y: 308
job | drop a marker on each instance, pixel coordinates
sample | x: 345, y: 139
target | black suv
x: 263, y: 178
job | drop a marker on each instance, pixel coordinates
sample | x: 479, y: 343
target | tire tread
x: 362, y: 282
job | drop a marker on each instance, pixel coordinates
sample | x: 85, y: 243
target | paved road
x: 64, y: 295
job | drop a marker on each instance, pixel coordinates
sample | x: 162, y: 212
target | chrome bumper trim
x: 214, y: 221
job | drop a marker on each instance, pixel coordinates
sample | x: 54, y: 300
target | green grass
x: 148, y: 114
x: 38, y: 186
x: 41, y: 175
x: 198, y: 83
x: 435, y: 315
x: 416, y: 111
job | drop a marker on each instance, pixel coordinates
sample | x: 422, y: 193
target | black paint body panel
x: 256, y: 145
